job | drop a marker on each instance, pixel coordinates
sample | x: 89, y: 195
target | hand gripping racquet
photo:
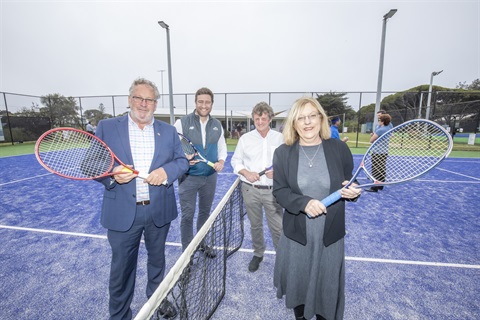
x: 191, y: 152
x: 261, y: 173
x: 401, y: 154
x: 78, y: 155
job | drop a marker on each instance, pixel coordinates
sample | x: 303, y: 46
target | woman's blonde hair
x: 290, y: 134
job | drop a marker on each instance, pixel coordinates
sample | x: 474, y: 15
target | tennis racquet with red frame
x: 78, y: 155
x: 403, y: 153
x: 191, y: 152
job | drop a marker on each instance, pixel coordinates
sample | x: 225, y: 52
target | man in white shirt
x: 254, y: 153
x: 90, y: 128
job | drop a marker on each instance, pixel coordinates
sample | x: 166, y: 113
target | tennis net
x: 196, y: 283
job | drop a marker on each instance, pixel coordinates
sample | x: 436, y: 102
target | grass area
x: 460, y: 148
x: 7, y: 149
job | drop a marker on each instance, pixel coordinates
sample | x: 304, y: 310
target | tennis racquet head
x: 76, y: 154
x: 410, y: 150
x: 403, y: 153
x: 190, y: 151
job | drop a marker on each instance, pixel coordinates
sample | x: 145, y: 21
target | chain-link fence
x: 25, y: 117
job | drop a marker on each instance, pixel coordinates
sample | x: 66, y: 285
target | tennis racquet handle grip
x: 140, y: 174
x: 211, y: 164
x: 261, y: 173
x: 334, y: 197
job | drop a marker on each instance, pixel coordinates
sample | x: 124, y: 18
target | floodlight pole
x: 380, y: 68
x: 162, y: 71
x: 170, y: 86
x: 429, y: 99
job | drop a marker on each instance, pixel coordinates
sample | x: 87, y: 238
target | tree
x: 335, y: 104
x: 62, y: 111
x: 461, y: 106
x: 475, y: 85
x: 28, y: 112
x: 95, y: 115
x: 365, y: 114
x: 448, y: 106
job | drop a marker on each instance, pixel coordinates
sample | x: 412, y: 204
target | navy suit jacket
x: 119, y: 200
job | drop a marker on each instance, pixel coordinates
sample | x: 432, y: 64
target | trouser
x: 125, y: 246
x: 257, y: 200
x: 188, y: 188
x: 379, y: 167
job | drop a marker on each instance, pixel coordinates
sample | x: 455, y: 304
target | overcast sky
x: 87, y: 48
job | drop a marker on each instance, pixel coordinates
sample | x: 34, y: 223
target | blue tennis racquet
x: 403, y: 153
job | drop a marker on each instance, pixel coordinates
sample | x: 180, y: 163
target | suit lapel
x: 293, y: 167
x: 122, y: 132
x: 157, y: 128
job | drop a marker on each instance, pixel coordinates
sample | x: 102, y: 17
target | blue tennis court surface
x: 413, y: 250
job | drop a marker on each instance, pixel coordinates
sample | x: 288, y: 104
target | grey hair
x: 145, y: 82
x: 261, y: 108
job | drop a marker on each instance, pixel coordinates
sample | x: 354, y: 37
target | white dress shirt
x: 255, y: 153
x: 142, y: 145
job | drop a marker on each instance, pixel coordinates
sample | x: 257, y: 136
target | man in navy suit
x: 143, y: 204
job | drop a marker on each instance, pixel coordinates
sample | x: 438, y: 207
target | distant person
x: 235, y: 132
x: 334, y: 129
x: 135, y: 208
x: 310, y: 261
x: 379, y: 160
x: 200, y: 180
x: 254, y: 153
x: 379, y: 113
x: 90, y: 128
x: 239, y: 131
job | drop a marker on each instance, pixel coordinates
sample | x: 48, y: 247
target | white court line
x: 463, y: 160
x: 75, y: 234
x: 432, y: 181
x: 21, y: 180
x: 445, y: 181
x: 463, y: 175
x: 420, y: 263
x: 407, y: 262
x: 51, y: 173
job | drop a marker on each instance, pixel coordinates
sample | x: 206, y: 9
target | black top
x: 287, y: 192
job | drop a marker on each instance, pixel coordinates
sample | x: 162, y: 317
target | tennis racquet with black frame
x: 261, y: 173
x: 401, y: 154
x: 78, y: 155
x: 191, y: 153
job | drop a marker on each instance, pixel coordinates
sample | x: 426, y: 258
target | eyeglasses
x: 140, y: 100
x: 312, y: 117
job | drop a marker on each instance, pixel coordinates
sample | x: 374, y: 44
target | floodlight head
x: 436, y: 73
x: 163, y: 24
x: 390, y: 14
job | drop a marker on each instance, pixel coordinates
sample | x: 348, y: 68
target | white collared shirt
x: 255, y: 153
